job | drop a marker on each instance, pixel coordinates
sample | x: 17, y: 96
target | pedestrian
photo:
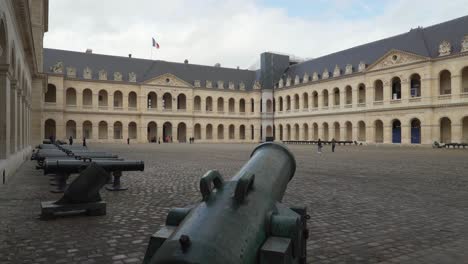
x: 319, y: 146
x: 333, y: 144
x: 84, y: 141
x: 128, y: 141
x: 159, y: 140
x: 70, y: 140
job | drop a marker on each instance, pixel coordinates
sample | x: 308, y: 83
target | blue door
x: 415, y: 135
x: 396, y: 135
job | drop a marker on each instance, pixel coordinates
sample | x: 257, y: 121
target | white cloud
x: 232, y: 32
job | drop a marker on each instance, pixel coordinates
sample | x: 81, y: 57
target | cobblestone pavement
x: 367, y: 205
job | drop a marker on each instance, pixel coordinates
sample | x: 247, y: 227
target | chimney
x: 237, y: 67
x: 217, y: 65
x: 130, y: 55
x: 90, y: 51
x: 186, y: 61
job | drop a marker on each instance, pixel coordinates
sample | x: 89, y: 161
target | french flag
x: 155, y: 44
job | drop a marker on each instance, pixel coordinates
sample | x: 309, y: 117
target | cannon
x: 42, y: 155
x: 237, y: 221
x: 82, y: 195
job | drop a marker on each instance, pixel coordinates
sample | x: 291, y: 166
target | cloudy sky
x: 235, y: 32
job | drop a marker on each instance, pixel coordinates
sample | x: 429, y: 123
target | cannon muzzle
x: 76, y: 166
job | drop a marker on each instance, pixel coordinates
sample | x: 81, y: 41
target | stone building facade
x: 408, y: 89
x: 22, y: 27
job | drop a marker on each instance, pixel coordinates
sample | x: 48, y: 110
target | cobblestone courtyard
x: 367, y: 205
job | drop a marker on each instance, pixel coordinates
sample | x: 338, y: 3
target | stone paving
x: 367, y: 204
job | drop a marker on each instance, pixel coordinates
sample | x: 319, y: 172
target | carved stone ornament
x: 326, y: 74
x: 209, y: 84
x: 242, y: 86
x: 117, y: 76
x: 362, y: 66
x: 349, y: 69
x: 288, y: 81
x: 336, y: 71
x: 297, y: 80
x: 305, y: 78
x: 315, y: 76
x: 132, y: 77
x: 257, y: 85
x: 57, y: 68
x: 71, y: 72
x: 231, y: 85
x: 394, y: 60
x: 87, y: 73
x: 445, y: 48
x: 197, y: 83
x: 220, y: 85
x: 464, y: 44
x: 102, y: 75
x: 280, y: 83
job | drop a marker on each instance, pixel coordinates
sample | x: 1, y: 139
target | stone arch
x: 231, y: 104
x: 87, y: 97
x: 464, y: 84
x: 349, y: 131
x: 167, y: 101
x: 296, y: 101
x: 280, y: 103
x: 181, y: 102
x: 378, y: 91
x: 288, y: 103
x: 102, y: 98
x: 269, y: 131
x: 132, y: 130
x: 232, y: 131
x: 325, y: 131
x: 87, y: 129
x: 336, y: 96
x: 152, y: 100
x: 445, y: 130
x: 336, y: 129
x: 182, y: 132
x: 396, y: 131
x: 242, y: 132
x: 197, y: 131
x: 50, y: 129
x: 396, y: 88
x: 102, y: 130
x: 152, y: 132
x: 118, y: 130
x: 51, y: 94
x: 445, y: 82
x: 325, y: 98
x: 348, y: 95
x: 209, y: 132
x: 465, y: 129
x: 415, y: 85
x: 220, y: 132
x: 379, y: 131
x: 361, y: 131
x: 70, y: 129
x: 269, y: 106
x: 209, y: 104
x: 242, y: 105
x: 118, y: 99
x: 415, y: 132
x: 305, y: 131
x: 197, y: 103
x: 220, y: 105
x: 132, y: 100
x: 361, y: 93
x: 167, y: 132
x: 315, y: 131
x: 315, y: 99
x: 70, y: 96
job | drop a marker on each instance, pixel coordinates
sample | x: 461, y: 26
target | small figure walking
x: 159, y: 140
x: 319, y: 146
x: 70, y: 140
x: 333, y: 144
x: 128, y: 141
x: 84, y: 141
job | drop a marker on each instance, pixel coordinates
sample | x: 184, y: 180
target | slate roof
x: 145, y: 69
x: 421, y: 41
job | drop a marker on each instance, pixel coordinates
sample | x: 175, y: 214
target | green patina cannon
x: 238, y: 221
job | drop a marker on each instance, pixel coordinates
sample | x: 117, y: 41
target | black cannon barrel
x: 76, y: 166
x: 41, y: 155
x: 230, y: 225
x: 41, y: 165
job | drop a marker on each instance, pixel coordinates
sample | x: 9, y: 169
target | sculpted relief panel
x: 396, y: 58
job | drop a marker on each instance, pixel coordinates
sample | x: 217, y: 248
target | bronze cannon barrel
x: 76, y: 166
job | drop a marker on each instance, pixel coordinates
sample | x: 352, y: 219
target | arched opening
x: 182, y: 133
x: 379, y: 131
x: 349, y: 95
x: 220, y: 105
x: 415, y: 85
x: 281, y: 132
x: 220, y: 132
x: 102, y: 98
x: 167, y: 132
x: 242, y: 132
x: 464, y: 87
x: 3, y: 43
x: 269, y: 131
x: 465, y: 129
x: 336, y: 97
x: 305, y: 101
x: 181, y: 102
x: 445, y: 130
x: 288, y: 103
x: 362, y: 94
x: 132, y: 130
x: 415, y: 131
x: 349, y: 131
x: 118, y: 130
x: 209, y: 104
x: 325, y: 98
x: 118, y: 99
x: 51, y: 94
x: 296, y: 101
x: 87, y: 98
x: 252, y: 105
x: 305, y: 131
x: 50, y: 129
x: 132, y: 100
x: 102, y: 130
x: 280, y: 102
x: 209, y: 132
x: 361, y: 131
x: 70, y: 129
x: 87, y: 129
x: 152, y: 132
x: 231, y: 105
x: 315, y: 129
x: 197, y: 103
x: 71, y: 97
x: 152, y: 100
x: 396, y: 131
x: 242, y: 106
x: 197, y: 131
x: 315, y: 99
x: 378, y: 91
x: 167, y: 101
x: 445, y: 82
x: 252, y: 132
x: 336, y: 128
x: 325, y: 132
x: 288, y: 132
x: 269, y: 106
x: 231, y: 132
x: 296, y: 132
x: 396, y: 88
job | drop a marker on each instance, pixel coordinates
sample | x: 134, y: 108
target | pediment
x: 168, y: 79
x: 396, y: 58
